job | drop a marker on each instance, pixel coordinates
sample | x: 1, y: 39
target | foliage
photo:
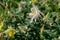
x: 29, y: 19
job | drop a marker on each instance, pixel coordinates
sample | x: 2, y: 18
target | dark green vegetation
x: 46, y: 27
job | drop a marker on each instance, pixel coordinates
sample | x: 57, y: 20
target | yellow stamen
x: 33, y: 12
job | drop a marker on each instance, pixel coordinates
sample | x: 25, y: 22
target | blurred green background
x: 15, y: 24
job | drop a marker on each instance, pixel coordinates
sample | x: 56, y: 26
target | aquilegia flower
x: 35, y: 12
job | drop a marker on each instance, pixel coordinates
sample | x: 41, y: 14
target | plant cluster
x: 29, y: 19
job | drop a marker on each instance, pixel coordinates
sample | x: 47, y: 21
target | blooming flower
x: 10, y: 31
x: 35, y: 12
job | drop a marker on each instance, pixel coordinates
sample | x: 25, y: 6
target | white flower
x: 35, y: 13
